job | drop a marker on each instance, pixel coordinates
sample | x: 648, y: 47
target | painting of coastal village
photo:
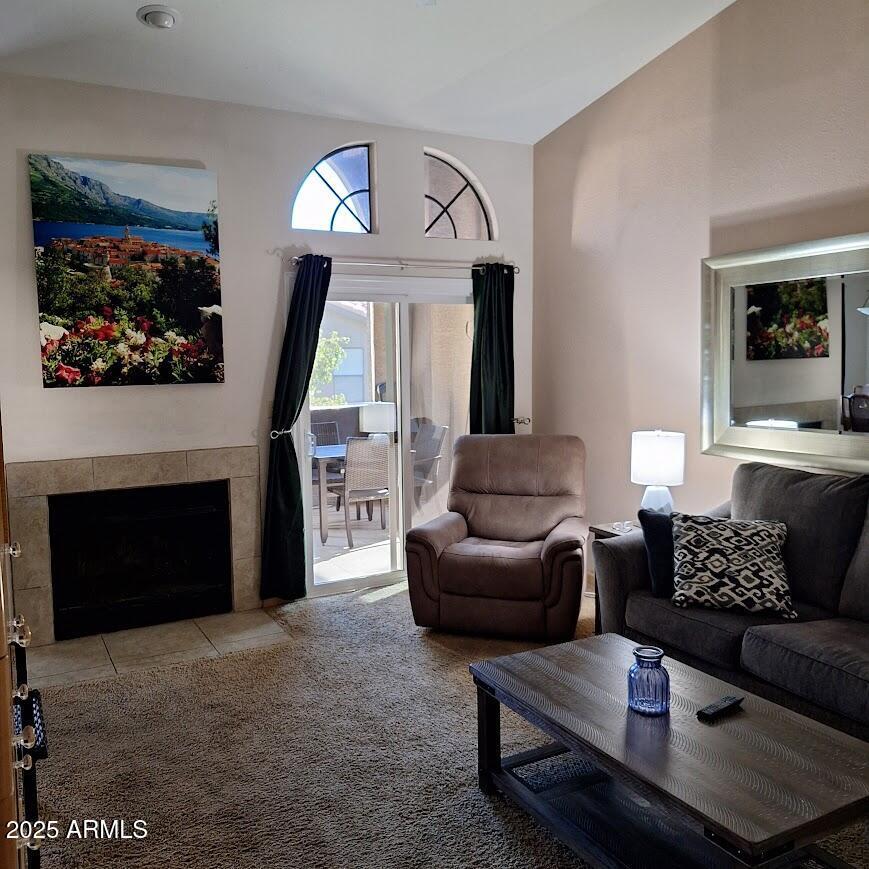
x: 127, y: 272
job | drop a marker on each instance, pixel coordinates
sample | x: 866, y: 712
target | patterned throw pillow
x: 728, y: 563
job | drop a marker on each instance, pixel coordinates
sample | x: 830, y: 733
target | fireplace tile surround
x: 30, y: 483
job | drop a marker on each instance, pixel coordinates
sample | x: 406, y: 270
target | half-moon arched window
x: 336, y: 194
x: 456, y: 206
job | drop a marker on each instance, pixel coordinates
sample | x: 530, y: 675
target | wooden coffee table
x: 625, y: 790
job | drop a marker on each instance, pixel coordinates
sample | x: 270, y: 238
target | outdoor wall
x: 261, y: 157
x: 751, y: 132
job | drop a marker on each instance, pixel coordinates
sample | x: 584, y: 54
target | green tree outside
x: 330, y: 355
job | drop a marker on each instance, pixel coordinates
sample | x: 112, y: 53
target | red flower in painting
x: 144, y: 324
x: 49, y: 348
x: 108, y: 311
x: 93, y: 379
x: 67, y: 374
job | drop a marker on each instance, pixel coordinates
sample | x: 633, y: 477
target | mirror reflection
x: 800, y: 354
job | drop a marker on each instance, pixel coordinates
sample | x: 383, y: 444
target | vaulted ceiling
x: 501, y: 69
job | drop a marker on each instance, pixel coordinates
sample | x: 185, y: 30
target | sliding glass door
x: 388, y: 396
x: 438, y: 359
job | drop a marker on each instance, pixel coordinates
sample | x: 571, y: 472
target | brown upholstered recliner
x: 508, y: 558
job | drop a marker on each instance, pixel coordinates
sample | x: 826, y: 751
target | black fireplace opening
x: 132, y: 557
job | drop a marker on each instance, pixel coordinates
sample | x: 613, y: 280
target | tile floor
x: 106, y: 655
x: 335, y: 560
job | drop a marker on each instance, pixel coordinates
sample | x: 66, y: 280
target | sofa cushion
x: 730, y: 564
x: 712, y: 635
x: 825, y: 662
x: 824, y: 515
x: 854, y: 602
x: 477, y: 567
x: 658, y: 538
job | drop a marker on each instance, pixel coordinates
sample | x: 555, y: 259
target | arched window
x: 456, y: 206
x: 336, y: 194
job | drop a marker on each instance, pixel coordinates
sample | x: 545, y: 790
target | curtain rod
x: 410, y: 264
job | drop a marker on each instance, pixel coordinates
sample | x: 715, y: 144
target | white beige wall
x: 753, y: 131
x: 261, y: 157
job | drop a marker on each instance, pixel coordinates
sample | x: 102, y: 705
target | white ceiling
x: 501, y: 69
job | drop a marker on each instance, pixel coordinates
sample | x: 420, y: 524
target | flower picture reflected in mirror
x: 127, y: 272
x: 787, y: 320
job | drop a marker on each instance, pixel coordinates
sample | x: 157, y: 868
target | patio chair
x: 426, y: 454
x: 326, y: 434
x: 366, y: 477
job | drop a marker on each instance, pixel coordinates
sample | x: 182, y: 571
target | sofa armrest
x: 439, y: 533
x: 722, y: 511
x: 567, y: 536
x: 621, y: 566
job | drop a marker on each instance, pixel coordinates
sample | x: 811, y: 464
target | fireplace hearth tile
x: 237, y: 627
x: 146, y: 469
x: 153, y: 640
x: 49, y: 478
x: 83, y: 653
x: 28, y: 519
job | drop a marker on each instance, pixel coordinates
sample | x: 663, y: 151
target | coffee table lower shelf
x: 610, y: 822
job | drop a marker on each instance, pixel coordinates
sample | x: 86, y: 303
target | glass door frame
x: 401, y: 291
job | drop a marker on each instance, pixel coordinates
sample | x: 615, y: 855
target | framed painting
x: 127, y: 272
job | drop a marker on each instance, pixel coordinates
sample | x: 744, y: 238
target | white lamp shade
x: 658, y: 458
x: 377, y: 416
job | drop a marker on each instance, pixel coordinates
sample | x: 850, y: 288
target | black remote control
x: 718, y: 709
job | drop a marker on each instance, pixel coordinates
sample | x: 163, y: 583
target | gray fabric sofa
x: 819, y: 664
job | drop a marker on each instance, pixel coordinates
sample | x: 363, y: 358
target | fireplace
x: 131, y: 557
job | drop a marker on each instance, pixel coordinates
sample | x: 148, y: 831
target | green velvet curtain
x: 492, y: 385
x: 283, y: 550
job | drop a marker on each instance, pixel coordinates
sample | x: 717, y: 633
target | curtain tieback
x: 274, y: 435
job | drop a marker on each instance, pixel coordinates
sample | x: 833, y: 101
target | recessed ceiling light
x: 159, y: 16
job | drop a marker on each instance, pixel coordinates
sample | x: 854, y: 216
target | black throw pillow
x: 658, y: 536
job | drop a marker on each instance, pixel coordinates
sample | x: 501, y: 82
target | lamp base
x: 657, y: 499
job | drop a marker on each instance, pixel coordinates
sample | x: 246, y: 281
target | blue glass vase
x: 648, y: 682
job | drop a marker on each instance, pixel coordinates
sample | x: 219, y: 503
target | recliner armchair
x: 508, y: 558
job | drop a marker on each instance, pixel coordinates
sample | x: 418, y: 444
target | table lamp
x: 377, y: 416
x: 658, y: 461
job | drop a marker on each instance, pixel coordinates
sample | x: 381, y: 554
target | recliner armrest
x: 566, y: 536
x: 439, y: 533
x: 722, y: 511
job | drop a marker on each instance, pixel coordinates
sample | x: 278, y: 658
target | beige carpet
x: 352, y: 746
